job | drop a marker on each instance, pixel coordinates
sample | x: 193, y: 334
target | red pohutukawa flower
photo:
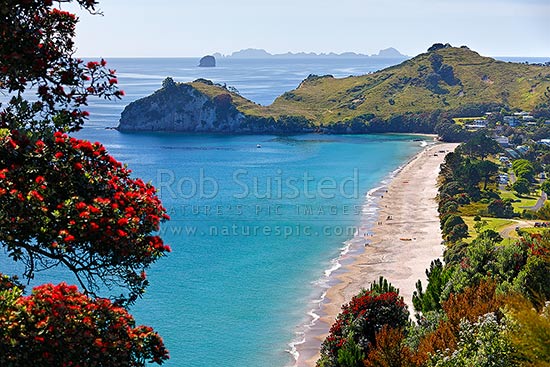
x: 71, y: 203
x: 362, y: 318
x: 59, y: 326
x: 37, y: 48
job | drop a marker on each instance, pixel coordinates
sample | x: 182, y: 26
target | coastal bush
x: 391, y: 350
x: 483, y: 343
x: 65, y: 202
x: 524, y: 169
x: 354, y: 332
x: 467, y: 305
x: 59, y: 326
x: 500, y: 208
x: 36, y: 50
x: 521, y: 186
x: 479, y: 146
x: 450, y: 188
x: 454, y: 228
x: 168, y: 83
x: 545, y: 187
x: 530, y: 332
x: 438, y: 276
x: 533, y: 280
x: 454, y: 253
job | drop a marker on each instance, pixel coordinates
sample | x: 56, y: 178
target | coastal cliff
x: 180, y: 107
x: 410, y: 97
x: 202, y: 106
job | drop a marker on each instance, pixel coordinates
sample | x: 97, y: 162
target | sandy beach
x: 404, y: 240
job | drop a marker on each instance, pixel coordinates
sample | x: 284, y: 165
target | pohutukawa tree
x: 66, y: 202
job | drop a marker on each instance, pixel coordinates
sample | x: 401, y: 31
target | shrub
x: 59, y: 326
x: 354, y: 331
x: 482, y: 344
x: 500, y: 208
x: 71, y: 203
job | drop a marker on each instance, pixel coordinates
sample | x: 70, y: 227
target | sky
x: 192, y: 28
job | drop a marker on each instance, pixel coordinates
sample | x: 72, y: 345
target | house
x: 511, y: 120
x: 475, y: 126
x: 503, y: 140
x: 512, y: 153
x: 522, y: 149
x: 527, y: 118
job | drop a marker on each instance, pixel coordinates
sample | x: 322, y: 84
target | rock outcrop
x: 207, y: 62
x: 202, y: 106
x: 409, y: 97
x: 180, y: 107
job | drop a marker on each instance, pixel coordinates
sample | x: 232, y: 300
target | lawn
x: 520, y: 202
x: 473, y: 209
x: 466, y: 120
x: 496, y: 224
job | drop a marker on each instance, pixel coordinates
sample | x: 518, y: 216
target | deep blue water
x: 253, y: 229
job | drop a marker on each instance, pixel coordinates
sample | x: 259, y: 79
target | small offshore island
x: 459, y: 241
x: 419, y: 95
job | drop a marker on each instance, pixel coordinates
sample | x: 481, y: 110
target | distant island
x: 256, y: 53
x: 419, y: 95
x: 207, y: 61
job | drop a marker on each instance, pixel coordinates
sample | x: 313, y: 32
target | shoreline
x: 399, y: 224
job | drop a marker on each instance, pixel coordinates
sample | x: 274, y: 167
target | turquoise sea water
x: 253, y: 229
x: 240, y: 279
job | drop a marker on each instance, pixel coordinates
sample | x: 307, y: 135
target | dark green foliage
x: 382, y: 286
x: 168, y: 83
x: 487, y: 171
x: 446, y: 72
x: 455, y: 253
x: 454, y: 229
x: 350, y: 355
x: 480, y: 146
x: 438, y: 46
x: 521, y: 186
x: 450, y: 189
x: 436, y: 61
x: 449, y: 207
x: 534, y: 279
x: 491, y: 235
x: 500, y: 208
x: 545, y: 186
x: 438, y: 277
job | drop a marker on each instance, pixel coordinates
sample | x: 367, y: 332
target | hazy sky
x: 172, y: 28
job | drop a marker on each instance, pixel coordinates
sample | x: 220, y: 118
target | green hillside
x: 445, y: 79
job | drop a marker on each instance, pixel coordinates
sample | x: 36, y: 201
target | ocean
x: 259, y: 223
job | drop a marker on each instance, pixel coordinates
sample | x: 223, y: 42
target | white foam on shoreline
x: 369, y: 208
x: 369, y: 211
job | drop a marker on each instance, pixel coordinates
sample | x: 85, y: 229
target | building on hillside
x: 511, y: 120
x: 522, y: 149
x: 503, y: 140
x: 512, y: 153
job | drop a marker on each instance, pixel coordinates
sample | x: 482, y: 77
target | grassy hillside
x: 445, y: 79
